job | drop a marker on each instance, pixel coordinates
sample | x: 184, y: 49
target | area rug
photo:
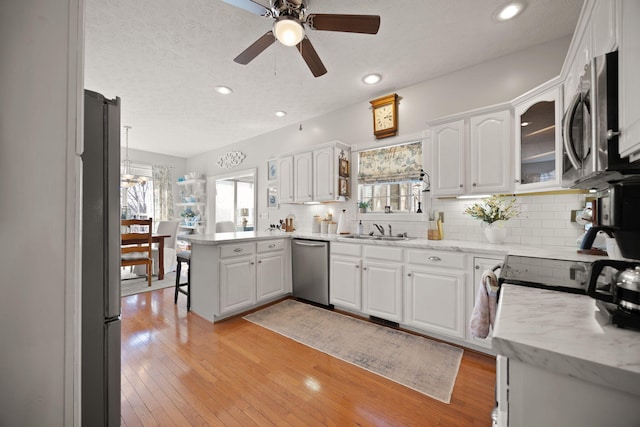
x: 421, y: 364
x: 131, y: 284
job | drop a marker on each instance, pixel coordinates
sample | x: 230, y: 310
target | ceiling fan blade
x: 256, y: 48
x: 250, y: 6
x: 365, y: 24
x: 311, y: 57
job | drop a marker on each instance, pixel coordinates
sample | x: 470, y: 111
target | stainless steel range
x: 546, y: 273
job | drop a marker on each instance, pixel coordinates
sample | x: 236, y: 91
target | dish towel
x: 484, y: 310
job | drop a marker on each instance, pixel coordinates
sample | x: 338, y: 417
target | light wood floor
x: 180, y: 370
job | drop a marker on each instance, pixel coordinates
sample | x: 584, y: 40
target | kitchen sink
x: 367, y: 237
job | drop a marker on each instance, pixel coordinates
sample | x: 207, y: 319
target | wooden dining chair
x: 136, y: 244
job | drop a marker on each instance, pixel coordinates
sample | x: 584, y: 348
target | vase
x: 496, y: 232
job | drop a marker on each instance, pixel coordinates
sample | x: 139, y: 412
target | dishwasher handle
x: 313, y: 245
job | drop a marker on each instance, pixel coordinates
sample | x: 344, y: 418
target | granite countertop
x: 485, y: 248
x: 567, y: 334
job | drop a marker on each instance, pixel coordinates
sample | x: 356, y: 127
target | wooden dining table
x: 155, y: 238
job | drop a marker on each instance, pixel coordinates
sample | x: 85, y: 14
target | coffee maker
x: 615, y: 283
x: 619, y: 217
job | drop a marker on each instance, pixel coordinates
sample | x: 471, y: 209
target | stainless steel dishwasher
x: 310, y: 265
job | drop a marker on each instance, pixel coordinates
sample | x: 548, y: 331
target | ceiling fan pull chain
x: 300, y: 99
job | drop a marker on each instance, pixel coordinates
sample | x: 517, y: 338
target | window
x: 234, y: 201
x: 137, y: 200
x: 390, y: 177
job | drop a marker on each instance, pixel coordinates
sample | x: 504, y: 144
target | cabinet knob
x: 237, y: 250
x: 252, y: 263
x: 461, y: 185
x: 517, y: 181
x: 434, y: 258
x: 364, y: 268
x: 474, y: 184
x: 260, y: 262
x: 357, y: 266
x: 273, y: 245
x: 409, y: 274
x: 477, y: 267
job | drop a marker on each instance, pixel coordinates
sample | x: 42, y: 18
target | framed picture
x: 343, y: 168
x: 272, y: 197
x: 343, y: 186
x: 272, y: 170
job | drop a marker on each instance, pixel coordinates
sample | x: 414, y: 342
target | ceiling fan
x: 290, y: 19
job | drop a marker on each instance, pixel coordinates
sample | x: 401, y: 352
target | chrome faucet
x: 390, y: 232
x: 380, y: 228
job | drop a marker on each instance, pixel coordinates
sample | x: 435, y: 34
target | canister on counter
x: 324, y: 226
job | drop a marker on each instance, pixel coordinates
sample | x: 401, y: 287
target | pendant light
x: 127, y: 179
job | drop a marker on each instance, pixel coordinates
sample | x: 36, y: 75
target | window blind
x: 397, y: 163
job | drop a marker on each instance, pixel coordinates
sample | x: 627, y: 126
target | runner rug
x: 421, y: 364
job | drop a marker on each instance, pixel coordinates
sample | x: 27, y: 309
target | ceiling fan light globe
x: 288, y: 31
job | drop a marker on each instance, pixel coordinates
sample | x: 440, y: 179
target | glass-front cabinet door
x: 538, y: 132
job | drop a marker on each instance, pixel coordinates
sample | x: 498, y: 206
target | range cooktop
x: 546, y: 273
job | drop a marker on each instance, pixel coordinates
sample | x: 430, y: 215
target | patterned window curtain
x: 162, y: 193
x: 390, y: 164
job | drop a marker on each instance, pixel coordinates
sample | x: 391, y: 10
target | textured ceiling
x: 164, y: 58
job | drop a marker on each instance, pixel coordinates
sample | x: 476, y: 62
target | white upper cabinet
x: 487, y: 137
x: 538, y: 148
x: 490, y: 137
x: 324, y: 175
x: 629, y: 83
x: 311, y: 175
x: 285, y: 177
x: 603, y: 27
x: 447, y: 154
x: 303, y: 173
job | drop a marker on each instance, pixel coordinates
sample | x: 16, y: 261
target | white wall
x: 38, y: 110
x: 489, y: 83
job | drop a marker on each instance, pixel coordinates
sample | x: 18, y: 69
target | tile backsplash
x: 544, y: 220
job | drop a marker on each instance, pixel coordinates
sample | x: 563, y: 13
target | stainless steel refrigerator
x: 100, y: 348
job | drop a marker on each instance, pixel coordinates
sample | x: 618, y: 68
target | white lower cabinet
x: 434, y: 292
x: 345, y: 283
x: 382, y: 283
x: 435, y: 301
x: 270, y: 278
x: 237, y: 283
x: 382, y: 290
x: 247, y: 278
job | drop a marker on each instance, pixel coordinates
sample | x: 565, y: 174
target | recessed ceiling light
x: 509, y: 11
x: 372, y: 79
x: 523, y: 124
x: 223, y: 90
x: 280, y: 113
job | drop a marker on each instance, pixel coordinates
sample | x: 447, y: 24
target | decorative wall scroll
x: 231, y: 159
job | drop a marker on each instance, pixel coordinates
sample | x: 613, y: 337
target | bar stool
x: 183, y: 256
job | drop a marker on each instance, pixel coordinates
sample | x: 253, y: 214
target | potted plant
x: 362, y: 206
x: 494, y: 212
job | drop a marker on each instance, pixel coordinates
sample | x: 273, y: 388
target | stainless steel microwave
x: 590, y: 130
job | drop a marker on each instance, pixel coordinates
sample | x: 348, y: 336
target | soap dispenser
x: 360, y: 228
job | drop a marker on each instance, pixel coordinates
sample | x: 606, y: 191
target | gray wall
x: 491, y: 82
x: 37, y: 216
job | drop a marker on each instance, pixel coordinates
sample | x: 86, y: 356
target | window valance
x: 390, y: 164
